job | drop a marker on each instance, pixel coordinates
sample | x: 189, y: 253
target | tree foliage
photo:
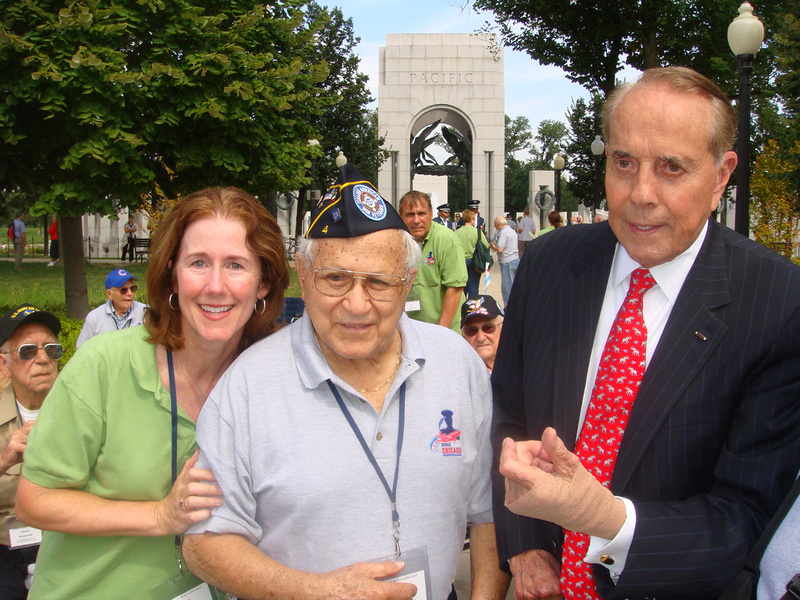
x: 585, y: 170
x: 774, y: 219
x: 593, y: 41
x: 102, y: 103
x: 525, y: 152
x: 518, y: 139
x: 787, y: 85
x: 108, y: 101
x: 350, y: 126
x: 550, y: 137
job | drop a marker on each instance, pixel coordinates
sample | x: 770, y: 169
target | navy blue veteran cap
x: 443, y: 207
x: 351, y: 208
x: 24, y: 314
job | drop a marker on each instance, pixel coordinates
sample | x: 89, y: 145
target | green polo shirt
x: 106, y: 429
x: 442, y: 267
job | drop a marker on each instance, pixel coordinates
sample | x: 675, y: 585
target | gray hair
x: 721, y: 126
x: 308, y: 248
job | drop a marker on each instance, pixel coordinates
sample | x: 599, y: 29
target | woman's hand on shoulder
x: 190, y: 500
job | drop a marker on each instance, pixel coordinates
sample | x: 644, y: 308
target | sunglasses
x: 124, y: 290
x: 29, y: 351
x: 486, y: 328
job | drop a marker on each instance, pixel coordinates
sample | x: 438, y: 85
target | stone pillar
x: 455, y: 78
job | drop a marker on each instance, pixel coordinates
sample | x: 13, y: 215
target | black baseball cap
x: 24, y: 314
x: 480, y: 306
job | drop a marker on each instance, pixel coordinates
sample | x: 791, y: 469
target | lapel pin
x: 700, y: 335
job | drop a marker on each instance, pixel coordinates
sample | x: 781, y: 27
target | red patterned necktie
x: 619, y: 375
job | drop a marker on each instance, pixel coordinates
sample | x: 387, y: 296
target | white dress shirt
x: 656, y: 308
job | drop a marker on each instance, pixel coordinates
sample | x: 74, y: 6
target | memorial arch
x: 455, y: 80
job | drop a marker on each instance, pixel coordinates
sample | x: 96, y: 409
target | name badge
x: 182, y: 587
x: 415, y: 570
x: 413, y: 302
x: 413, y: 305
x: 21, y: 535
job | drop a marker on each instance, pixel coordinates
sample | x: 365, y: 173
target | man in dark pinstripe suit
x: 713, y: 439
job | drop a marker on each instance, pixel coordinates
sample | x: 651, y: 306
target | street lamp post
x: 597, y: 149
x: 745, y: 35
x: 558, y: 165
x: 341, y: 160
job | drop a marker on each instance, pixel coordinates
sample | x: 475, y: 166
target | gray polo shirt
x: 296, y: 481
x: 104, y: 318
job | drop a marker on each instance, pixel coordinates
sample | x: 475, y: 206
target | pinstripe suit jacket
x: 713, y: 440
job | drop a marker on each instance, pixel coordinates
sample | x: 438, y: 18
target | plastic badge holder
x: 416, y: 570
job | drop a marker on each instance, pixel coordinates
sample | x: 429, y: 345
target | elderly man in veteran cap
x: 481, y: 323
x: 343, y: 466
x: 29, y: 353
x: 119, y: 312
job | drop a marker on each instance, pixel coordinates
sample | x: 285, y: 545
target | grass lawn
x: 43, y: 287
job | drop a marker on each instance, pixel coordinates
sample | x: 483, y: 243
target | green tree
x: 518, y: 135
x: 787, y: 85
x: 550, y: 136
x: 518, y: 140
x: 593, y: 41
x: 586, y: 171
x: 102, y: 103
x: 774, y: 218
x: 350, y: 126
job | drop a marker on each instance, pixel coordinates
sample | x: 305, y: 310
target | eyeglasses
x: 337, y: 282
x: 486, y: 328
x: 28, y: 351
x: 124, y: 290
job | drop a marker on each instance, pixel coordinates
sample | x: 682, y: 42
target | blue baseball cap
x: 118, y: 278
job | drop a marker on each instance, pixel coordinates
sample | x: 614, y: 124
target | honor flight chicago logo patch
x: 448, y: 441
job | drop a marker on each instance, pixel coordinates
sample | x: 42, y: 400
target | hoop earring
x: 263, y: 306
x: 169, y: 302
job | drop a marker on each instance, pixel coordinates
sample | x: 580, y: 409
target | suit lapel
x: 690, y: 338
x: 579, y: 302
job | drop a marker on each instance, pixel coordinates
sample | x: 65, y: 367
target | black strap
x: 742, y: 585
x: 174, y: 410
x: 792, y: 589
x: 390, y: 491
x: 754, y: 558
x: 479, y: 239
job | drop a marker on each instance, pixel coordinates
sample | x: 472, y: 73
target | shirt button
x: 607, y: 560
x: 379, y: 437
